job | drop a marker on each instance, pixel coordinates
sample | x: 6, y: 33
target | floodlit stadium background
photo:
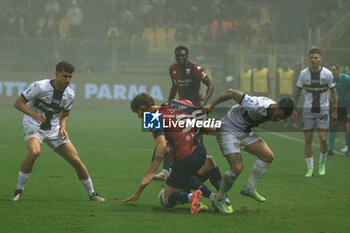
x: 121, y: 48
x: 130, y: 44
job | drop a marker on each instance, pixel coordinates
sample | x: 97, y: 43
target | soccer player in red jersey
x: 189, y: 155
x: 186, y: 77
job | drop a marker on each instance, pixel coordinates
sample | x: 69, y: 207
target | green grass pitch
x: 116, y: 153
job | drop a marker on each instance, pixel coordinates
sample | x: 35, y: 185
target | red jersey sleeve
x: 199, y: 73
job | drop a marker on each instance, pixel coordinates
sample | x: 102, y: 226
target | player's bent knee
x: 166, y: 204
x: 77, y: 164
x: 210, y: 162
x: 33, y: 155
x: 323, y: 139
x: 269, y: 158
x: 308, y: 141
x: 237, y: 169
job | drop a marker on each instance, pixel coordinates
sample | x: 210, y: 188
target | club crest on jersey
x: 64, y: 102
x: 188, y: 71
x: 27, y: 92
x: 323, y: 80
x: 249, y: 100
x: 151, y: 120
x: 236, y: 145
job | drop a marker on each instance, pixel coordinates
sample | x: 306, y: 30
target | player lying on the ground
x: 235, y: 134
x: 189, y: 153
x: 209, y: 171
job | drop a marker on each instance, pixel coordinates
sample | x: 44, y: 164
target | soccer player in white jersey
x: 235, y: 134
x: 46, y: 105
x: 316, y: 80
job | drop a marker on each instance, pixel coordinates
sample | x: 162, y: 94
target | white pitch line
x: 112, y: 148
x: 299, y: 140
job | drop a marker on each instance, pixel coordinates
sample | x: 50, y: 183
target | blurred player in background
x: 343, y: 113
x: 46, y: 105
x: 285, y: 85
x: 316, y: 80
x: 246, y: 78
x: 189, y: 154
x: 186, y: 77
x: 260, y: 79
x: 235, y: 134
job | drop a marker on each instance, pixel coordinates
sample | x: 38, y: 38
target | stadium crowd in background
x: 204, y: 20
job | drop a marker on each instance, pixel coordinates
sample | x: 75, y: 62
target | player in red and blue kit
x: 189, y: 155
x: 186, y: 77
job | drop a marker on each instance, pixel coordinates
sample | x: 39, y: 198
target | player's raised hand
x: 132, y: 198
x: 41, y: 118
x: 207, y: 109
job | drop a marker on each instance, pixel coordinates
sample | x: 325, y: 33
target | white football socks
x: 88, y: 186
x: 323, y: 157
x: 22, y: 179
x: 310, y: 163
x: 166, y: 172
x: 189, y: 197
x: 259, y: 169
x: 226, y: 184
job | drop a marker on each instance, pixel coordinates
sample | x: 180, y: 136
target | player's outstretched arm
x: 296, y: 100
x: 20, y: 104
x: 210, y: 90
x: 152, y: 168
x: 227, y: 95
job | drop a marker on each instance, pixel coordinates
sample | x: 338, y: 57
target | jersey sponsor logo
x: 151, y: 120
x: 316, y: 89
x: 56, y: 101
x: 46, y: 108
x: 184, y: 82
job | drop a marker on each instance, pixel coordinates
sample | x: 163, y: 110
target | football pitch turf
x: 117, y: 153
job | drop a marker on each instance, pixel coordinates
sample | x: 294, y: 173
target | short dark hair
x: 142, y: 99
x: 181, y: 47
x: 314, y: 50
x: 64, y: 66
x: 334, y: 65
x: 287, y: 105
